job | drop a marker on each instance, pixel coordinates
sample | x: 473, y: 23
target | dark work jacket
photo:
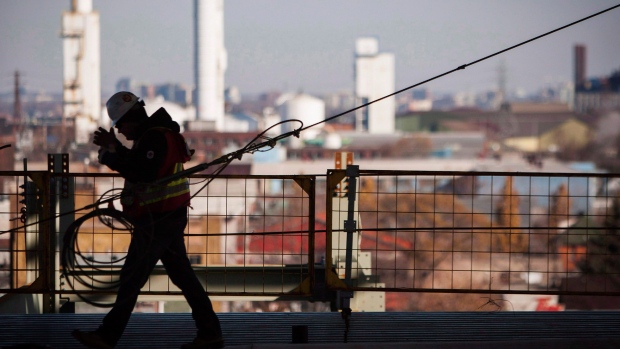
x: 158, y: 152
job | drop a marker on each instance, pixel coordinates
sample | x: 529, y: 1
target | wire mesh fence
x: 254, y: 235
x: 497, y: 232
x: 283, y: 236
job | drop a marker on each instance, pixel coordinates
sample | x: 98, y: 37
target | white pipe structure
x: 210, y: 61
x: 82, y: 69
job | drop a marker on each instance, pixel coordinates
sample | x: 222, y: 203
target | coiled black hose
x: 94, y: 274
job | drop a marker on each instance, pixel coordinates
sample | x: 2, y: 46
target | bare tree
x: 560, y: 208
x: 510, y: 238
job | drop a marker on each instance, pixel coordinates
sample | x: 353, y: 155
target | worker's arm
x: 141, y: 163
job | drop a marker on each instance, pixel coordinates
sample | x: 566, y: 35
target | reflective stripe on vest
x: 172, y: 189
x: 144, y: 198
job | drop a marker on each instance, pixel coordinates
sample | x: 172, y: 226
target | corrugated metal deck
x: 326, y: 330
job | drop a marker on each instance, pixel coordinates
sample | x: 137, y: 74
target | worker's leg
x: 180, y: 271
x: 142, y: 256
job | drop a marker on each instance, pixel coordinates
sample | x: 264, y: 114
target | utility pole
x: 501, y: 84
x: 17, y: 105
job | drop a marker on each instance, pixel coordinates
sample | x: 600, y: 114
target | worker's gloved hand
x: 101, y: 155
x: 104, y: 138
x: 107, y: 156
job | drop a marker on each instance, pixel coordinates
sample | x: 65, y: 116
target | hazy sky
x: 308, y: 45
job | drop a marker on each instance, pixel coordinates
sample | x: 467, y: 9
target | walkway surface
x: 454, y: 330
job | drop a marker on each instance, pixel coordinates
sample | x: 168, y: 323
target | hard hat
x: 119, y: 104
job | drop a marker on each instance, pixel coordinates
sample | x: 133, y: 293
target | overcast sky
x: 308, y: 45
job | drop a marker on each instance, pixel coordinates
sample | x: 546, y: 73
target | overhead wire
x: 70, y: 251
x: 296, y: 132
x: 462, y: 67
x: 86, y: 273
x: 248, y: 148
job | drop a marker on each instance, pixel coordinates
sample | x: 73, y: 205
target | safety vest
x: 147, y: 198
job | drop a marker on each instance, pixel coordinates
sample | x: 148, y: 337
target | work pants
x: 154, y: 239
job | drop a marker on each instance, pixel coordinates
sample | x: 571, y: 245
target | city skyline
x: 283, y: 45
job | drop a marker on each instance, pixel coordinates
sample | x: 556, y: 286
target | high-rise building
x: 210, y: 61
x: 81, y: 70
x: 374, y: 79
x: 140, y: 89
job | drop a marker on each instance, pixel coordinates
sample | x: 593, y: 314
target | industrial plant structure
x: 210, y: 62
x: 374, y: 79
x: 82, y: 70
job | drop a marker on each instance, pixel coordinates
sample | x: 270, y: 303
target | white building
x: 305, y: 108
x: 81, y: 69
x: 210, y: 61
x: 374, y: 79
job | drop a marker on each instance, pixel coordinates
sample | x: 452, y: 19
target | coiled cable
x: 80, y: 269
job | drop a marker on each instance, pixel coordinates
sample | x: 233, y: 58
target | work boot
x: 204, y: 343
x: 91, y: 339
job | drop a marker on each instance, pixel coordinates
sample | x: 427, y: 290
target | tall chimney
x: 580, y: 66
x: 210, y: 61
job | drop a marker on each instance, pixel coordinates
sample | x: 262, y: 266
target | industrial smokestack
x: 209, y: 61
x: 81, y: 69
x: 580, y: 66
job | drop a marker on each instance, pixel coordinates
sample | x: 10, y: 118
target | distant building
x: 596, y: 101
x: 340, y: 102
x: 551, y: 137
x: 210, y: 145
x: 592, y: 94
x: 455, y: 145
x: 608, y: 131
x: 140, y: 89
x: 232, y: 96
x: 374, y: 79
x: 7, y: 154
x: 177, y: 93
x: 528, y: 127
x: 421, y: 101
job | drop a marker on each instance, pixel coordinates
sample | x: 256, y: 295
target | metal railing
x: 492, y: 232
x: 319, y: 237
